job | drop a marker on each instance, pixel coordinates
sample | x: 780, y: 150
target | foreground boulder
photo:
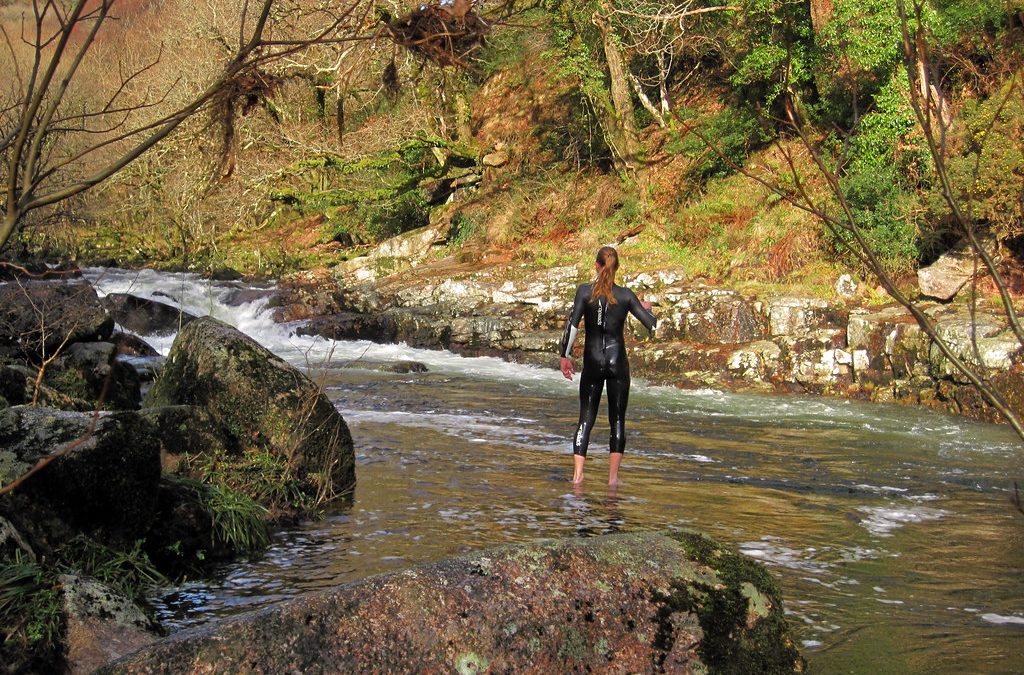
x: 622, y: 603
x: 105, y: 484
x: 258, y: 400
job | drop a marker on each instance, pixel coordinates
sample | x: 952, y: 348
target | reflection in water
x: 595, y: 516
x: 894, y: 550
x: 888, y: 528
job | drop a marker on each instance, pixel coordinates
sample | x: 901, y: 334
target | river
x: 888, y: 528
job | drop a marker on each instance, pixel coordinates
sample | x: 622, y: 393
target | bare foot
x: 577, y: 466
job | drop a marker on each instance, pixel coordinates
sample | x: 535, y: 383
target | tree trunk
x: 463, y: 117
x: 7, y: 227
x: 620, y: 126
x: 931, y: 96
x: 821, y: 13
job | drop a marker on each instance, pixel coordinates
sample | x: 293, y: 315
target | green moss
x: 742, y: 620
x: 70, y: 382
x: 574, y: 645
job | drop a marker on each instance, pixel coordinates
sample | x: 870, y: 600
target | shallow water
x: 888, y: 529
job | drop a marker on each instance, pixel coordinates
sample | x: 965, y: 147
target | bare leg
x: 614, y: 460
x: 577, y: 474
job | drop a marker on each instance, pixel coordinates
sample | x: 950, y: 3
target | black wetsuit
x: 604, y: 360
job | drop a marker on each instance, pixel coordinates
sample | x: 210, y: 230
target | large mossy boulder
x: 260, y: 402
x: 622, y: 603
x: 103, y: 483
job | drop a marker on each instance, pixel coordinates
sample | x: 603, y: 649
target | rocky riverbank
x: 706, y: 337
x: 104, y: 493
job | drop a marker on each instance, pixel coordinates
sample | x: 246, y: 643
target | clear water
x: 889, y: 529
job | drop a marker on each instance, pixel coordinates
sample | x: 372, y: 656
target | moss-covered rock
x: 261, y: 403
x: 621, y: 603
x: 105, y: 484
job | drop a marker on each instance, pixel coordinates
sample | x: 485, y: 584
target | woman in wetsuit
x: 604, y: 307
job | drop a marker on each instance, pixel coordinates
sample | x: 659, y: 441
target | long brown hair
x: 608, y: 264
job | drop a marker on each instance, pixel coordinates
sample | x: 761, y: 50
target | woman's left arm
x: 642, y: 311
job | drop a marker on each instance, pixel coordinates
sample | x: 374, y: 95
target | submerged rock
x: 259, y: 401
x: 621, y: 603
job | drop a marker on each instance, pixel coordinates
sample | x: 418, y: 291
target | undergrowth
x: 31, y: 620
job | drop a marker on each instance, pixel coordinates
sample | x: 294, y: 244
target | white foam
x: 1003, y: 620
x: 769, y: 551
x: 474, y: 428
x: 882, y: 520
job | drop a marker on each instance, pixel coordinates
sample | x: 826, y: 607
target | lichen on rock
x: 619, y: 603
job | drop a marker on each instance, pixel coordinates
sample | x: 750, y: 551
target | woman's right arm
x: 572, y: 324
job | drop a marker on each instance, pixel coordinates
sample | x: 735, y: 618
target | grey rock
x: 944, y: 278
x: 495, y: 159
x: 709, y: 316
x: 796, y: 316
x: 37, y: 317
x: 144, y: 316
x: 102, y: 624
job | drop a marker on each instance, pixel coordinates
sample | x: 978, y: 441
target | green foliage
x: 885, y: 163
x: 378, y: 194
x: 406, y: 211
x: 735, y: 133
x: 772, y: 47
x: 971, y: 24
x: 863, y: 42
x: 988, y: 176
x: 888, y: 138
x: 579, y: 57
x: 885, y: 215
x: 463, y: 229
x: 128, y: 571
x: 31, y: 620
x: 505, y: 48
x: 263, y: 477
x: 238, y: 521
